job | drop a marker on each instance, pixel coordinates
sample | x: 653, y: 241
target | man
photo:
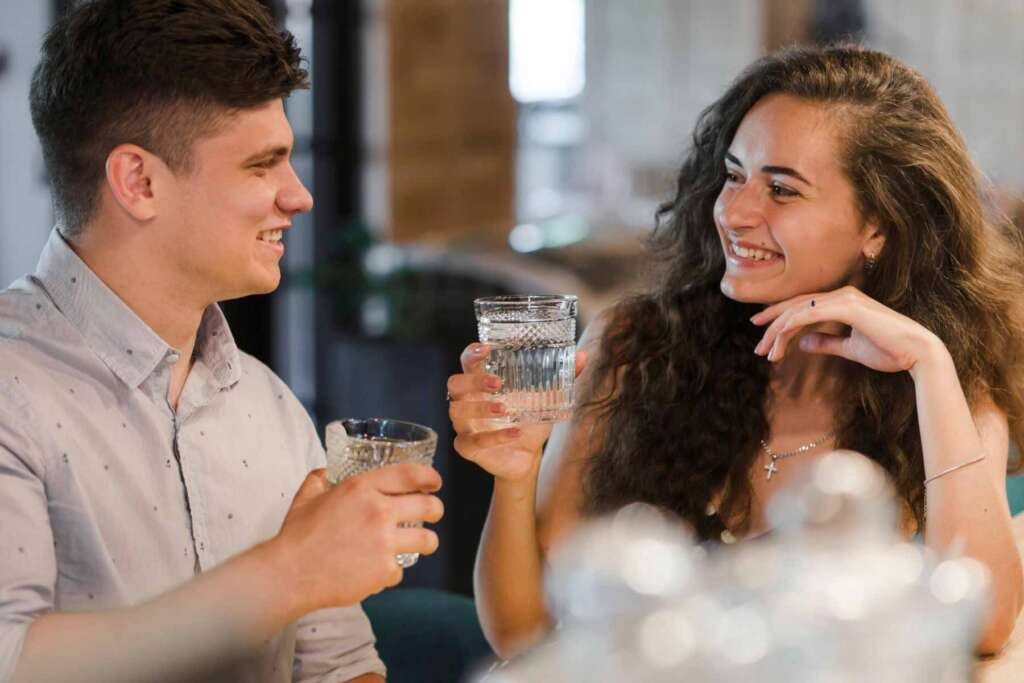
x: 151, y: 528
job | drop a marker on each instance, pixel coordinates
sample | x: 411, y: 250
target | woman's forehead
x: 784, y: 130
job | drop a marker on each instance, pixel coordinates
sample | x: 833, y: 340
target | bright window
x: 546, y: 49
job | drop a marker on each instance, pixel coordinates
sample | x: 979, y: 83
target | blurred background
x: 457, y: 148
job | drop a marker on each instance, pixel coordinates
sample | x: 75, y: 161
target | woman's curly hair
x: 682, y: 398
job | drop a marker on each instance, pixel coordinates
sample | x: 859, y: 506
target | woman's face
x: 787, y: 216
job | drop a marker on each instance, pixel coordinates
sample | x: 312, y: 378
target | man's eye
x: 264, y: 164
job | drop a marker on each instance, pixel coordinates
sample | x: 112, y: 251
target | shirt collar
x: 216, y: 346
x: 115, y: 333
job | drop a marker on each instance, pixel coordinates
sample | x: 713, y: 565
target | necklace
x: 771, y: 469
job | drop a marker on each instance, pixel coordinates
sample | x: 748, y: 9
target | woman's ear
x: 129, y: 175
x: 874, y: 242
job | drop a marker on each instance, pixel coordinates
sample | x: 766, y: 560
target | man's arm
x: 336, y: 547
x: 335, y: 645
x: 198, y: 628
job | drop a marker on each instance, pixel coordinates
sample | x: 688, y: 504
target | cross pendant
x: 771, y: 469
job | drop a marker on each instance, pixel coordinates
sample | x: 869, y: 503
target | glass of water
x: 355, y: 446
x: 533, y: 351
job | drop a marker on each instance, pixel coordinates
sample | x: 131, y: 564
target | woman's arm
x: 966, y: 505
x: 526, y: 520
x: 521, y: 523
x: 969, y: 504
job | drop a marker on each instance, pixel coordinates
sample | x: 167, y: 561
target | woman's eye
x: 731, y: 177
x: 782, y: 191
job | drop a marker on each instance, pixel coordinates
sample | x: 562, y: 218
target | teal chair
x: 1015, y: 493
x: 427, y: 636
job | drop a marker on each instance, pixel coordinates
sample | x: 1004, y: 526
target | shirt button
x: 172, y: 358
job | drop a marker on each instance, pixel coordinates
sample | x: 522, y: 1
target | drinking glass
x: 533, y: 351
x: 355, y: 446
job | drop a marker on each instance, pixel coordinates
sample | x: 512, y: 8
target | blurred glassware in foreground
x: 833, y: 594
x: 533, y: 351
x: 355, y: 446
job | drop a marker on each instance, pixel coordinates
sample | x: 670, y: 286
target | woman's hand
x: 879, y: 337
x: 509, y: 452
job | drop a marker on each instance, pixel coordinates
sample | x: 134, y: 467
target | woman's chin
x: 746, y: 294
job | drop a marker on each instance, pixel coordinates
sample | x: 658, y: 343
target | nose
x: 293, y: 197
x: 740, y: 208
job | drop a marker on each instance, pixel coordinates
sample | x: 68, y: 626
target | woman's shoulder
x: 621, y: 317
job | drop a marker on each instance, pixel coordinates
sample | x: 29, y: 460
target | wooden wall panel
x: 452, y: 121
x: 786, y: 22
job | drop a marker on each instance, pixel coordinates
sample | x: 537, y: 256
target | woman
x: 830, y: 281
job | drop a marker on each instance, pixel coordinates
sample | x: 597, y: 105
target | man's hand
x: 338, y: 544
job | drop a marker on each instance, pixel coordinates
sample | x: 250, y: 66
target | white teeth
x: 271, y: 235
x: 754, y: 254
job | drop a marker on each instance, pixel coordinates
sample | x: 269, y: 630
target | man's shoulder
x: 256, y: 370
x: 257, y: 376
x: 20, y: 305
x: 20, y: 309
x: 262, y: 386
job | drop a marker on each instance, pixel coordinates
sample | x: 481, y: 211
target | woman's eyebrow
x: 786, y: 170
x: 774, y: 170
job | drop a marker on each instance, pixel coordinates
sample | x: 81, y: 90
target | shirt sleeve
x: 28, y: 566
x: 334, y: 645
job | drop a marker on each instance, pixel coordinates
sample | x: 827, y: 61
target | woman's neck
x: 805, y: 378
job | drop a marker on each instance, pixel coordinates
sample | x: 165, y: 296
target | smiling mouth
x: 751, y: 254
x: 272, y: 236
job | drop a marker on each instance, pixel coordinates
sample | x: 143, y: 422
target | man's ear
x: 130, y: 173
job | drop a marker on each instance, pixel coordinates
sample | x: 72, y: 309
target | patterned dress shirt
x: 108, y: 497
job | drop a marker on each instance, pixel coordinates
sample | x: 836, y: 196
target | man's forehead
x: 247, y: 131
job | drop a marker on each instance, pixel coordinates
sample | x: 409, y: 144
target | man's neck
x: 162, y: 304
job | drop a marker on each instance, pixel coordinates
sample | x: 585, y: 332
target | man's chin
x: 255, y: 288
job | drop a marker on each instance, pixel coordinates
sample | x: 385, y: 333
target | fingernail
x: 497, y: 408
x: 492, y: 383
x: 477, y: 350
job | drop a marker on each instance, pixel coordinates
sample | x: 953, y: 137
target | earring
x: 870, y: 261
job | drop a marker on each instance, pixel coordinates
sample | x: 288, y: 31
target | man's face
x: 223, y: 219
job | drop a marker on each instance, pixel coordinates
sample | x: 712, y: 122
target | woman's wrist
x: 523, y: 489
x: 932, y: 357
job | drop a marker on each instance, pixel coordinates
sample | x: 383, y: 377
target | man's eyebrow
x: 272, y: 151
x: 774, y: 170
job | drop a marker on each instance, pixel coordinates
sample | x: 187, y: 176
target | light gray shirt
x: 109, y: 498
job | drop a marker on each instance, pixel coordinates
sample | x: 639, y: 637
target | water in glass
x: 533, y: 350
x: 356, y: 446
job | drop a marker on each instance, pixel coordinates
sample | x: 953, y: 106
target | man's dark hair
x: 156, y: 73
